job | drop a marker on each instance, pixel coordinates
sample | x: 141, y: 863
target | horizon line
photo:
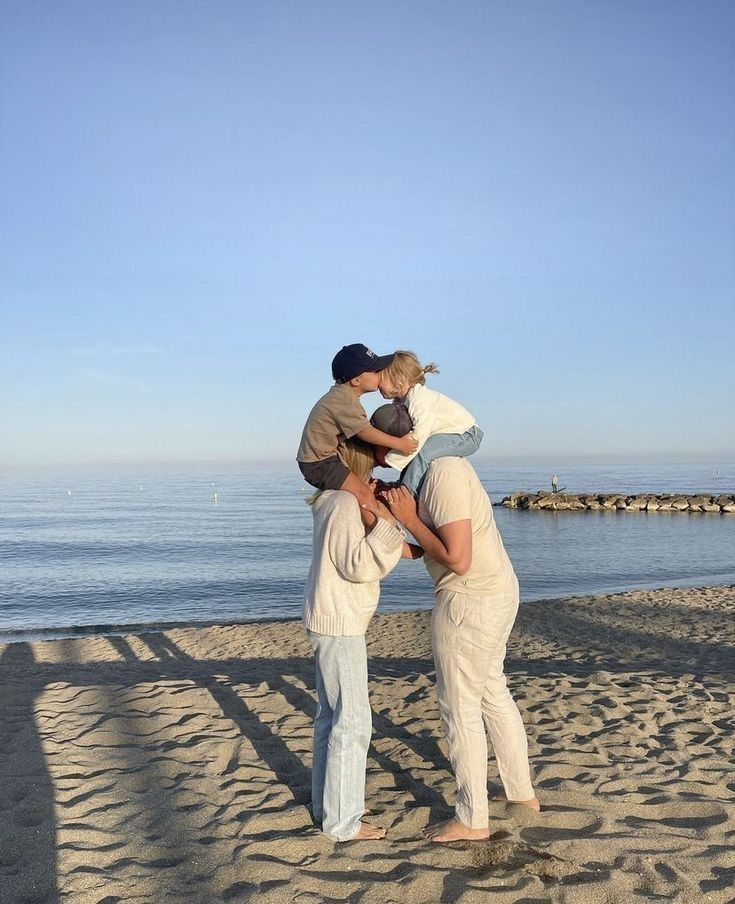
x: 715, y: 458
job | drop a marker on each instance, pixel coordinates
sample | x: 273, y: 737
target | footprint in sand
x: 693, y: 816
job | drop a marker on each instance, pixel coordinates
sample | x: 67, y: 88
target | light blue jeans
x: 440, y: 445
x: 342, y: 730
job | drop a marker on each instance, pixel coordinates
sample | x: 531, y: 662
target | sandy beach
x: 174, y: 766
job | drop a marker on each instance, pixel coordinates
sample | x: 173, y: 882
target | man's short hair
x: 392, y: 419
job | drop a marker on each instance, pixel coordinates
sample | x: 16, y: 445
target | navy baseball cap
x: 353, y: 360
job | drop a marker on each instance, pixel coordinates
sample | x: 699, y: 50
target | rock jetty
x: 621, y: 502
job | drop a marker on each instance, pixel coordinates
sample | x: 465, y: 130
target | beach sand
x: 174, y: 766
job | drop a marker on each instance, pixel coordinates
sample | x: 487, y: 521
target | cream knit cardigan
x: 343, y: 585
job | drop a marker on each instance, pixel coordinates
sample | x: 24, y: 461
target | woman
x: 352, y: 550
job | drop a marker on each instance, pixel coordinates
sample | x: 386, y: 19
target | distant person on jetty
x: 353, y: 549
x: 476, y: 604
x: 441, y: 426
x: 554, y: 483
x: 338, y: 416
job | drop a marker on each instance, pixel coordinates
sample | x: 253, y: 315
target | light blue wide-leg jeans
x: 342, y: 730
x: 440, y: 445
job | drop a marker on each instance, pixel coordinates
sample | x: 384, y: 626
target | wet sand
x: 174, y: 765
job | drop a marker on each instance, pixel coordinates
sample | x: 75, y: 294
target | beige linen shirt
x: 337, y: 416
x: 452, y: 492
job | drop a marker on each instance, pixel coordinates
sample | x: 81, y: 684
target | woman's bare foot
x: 532, y: 803
x: 452, y: 830
x: 366, y: 832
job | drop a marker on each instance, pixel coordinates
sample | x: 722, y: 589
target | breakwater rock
x: 621, y: 502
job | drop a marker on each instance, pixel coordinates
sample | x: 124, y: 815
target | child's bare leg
x: 361, y: 491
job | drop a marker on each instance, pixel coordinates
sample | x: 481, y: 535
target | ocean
x: 93, y: 551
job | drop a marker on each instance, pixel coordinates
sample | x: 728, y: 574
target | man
x: 476, y: 604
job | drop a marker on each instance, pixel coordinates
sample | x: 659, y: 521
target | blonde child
x: 441, y: 426
x: 338, y: 416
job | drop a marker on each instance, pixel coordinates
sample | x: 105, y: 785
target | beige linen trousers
x: 469, y: 635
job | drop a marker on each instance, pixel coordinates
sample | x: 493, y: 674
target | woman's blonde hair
x: 405, y: 370
x: 359, y: 458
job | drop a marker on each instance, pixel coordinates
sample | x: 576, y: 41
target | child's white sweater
x: 343, y: 585
x: 431, y: 413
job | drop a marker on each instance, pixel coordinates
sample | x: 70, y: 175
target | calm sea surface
x: 80, y: 550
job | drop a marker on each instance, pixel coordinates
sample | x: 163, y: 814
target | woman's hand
x: 371, y: 511
x: 401, y: 505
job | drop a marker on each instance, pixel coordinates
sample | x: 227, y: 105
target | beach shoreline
x: 173, y: 764
x: 76, y: 632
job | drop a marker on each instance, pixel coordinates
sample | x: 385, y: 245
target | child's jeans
x: 342, y: 730
x: 440, y: 445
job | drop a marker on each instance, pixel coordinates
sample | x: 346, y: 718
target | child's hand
x: 406, y: 444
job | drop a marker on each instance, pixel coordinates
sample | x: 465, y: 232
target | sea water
x: 214, y: 544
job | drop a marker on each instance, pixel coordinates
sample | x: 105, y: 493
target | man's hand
x: 406, y: 444
x: 401, y: 505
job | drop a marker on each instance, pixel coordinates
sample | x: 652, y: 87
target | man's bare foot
x: 366, y: 832
x: 452, y: 830
x: 532, y: 803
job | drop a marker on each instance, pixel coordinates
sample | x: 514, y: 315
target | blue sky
x: 203, y: 201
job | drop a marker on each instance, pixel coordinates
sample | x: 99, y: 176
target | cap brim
x: 381, y: 362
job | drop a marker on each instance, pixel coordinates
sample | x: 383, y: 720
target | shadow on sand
x: 28, y: 802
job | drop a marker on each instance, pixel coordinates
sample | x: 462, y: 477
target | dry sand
x: 174, y: 766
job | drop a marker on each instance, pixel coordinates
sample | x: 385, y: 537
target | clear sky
x: 203, y: 201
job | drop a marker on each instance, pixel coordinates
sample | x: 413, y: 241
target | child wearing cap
x: 441, y: 426
x: 338, y: 416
